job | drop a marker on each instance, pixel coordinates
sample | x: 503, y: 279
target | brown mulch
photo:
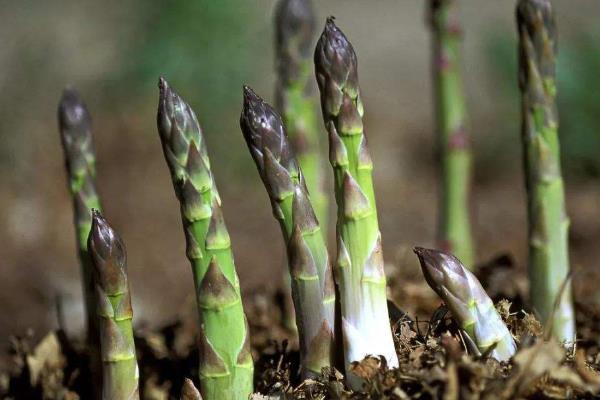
x: 433, y: 360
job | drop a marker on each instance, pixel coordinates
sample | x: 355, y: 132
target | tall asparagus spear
x: 548, y: 221
x: 119, y: 365
x: 312, y: 281
x: 295, y: 28
x: 453, y: 141
x: 470, y: 305
x: 359, y: 267
x: 296, y: 102
x: 226, y: 367
x: 76, y: 136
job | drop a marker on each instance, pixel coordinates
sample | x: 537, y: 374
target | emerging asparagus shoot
x: 295, y: 28
x: 296, y: 103
x: 359, y: 268
x: 548, y: 221
x: 120, y: 372
x: 452, y: 136
x: 468, y: 302
x: 76, y: 137
x: 312, y: 281
x: 226, y: 366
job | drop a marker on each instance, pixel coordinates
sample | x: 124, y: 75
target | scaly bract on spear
x: 468, y: 302
x: 452, y: 137
x: 313, y: 289
x: 226, y: 366
x: 120, y: 373
x: 548, y: 221
x: 80, y: 160
x: 359, y: 269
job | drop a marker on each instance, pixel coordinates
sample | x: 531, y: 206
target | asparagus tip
x: 294, y: 12
x: 334, y: 52
x: 250, y: 97
x: 72, y: 110
x: 162, y: 83
x: 101, y: 234
x: 436, y: 264
x: 259, y: 120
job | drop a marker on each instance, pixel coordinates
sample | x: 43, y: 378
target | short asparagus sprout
x: 226, y: 366
x: 76, y: 136
x: 548, y: 220
x: 120, y: 374
x: 359, y: 269
x: 471, y: 307
x: 452, y: 131
x: 312, y: 281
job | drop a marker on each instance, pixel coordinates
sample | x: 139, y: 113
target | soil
x: 434, y: 362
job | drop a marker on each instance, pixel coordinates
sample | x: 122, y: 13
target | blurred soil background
x: 113, y: 52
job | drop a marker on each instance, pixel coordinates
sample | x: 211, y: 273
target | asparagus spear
x: 470, y: 305
x: 312, y: 281
x: 359, y: 267
x: 548, y: 221
x: 226, y: 367
x: 119, y: 365
x: 76, y: 136
x: 295, y: 27
x: 452, y: 135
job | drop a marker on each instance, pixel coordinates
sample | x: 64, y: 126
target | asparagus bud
x: 226, y: 366
x: 119, y: 365
x: 452, y: 136
x: 76, y: 137
x: 295, y: 28
x: 359, y: 268
x: 470, y: 305
x: 312, y: 282
x: 548, y: 221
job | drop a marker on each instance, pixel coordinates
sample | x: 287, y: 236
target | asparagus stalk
x: 548, y: 221
x: 312, y: 281
x: 226, y: 367
x: 452, y: 136
x: 468, y: 302
x: 76, y: 137
x: 119, y: 365
x: 359, y: 267
x: 295, y: 28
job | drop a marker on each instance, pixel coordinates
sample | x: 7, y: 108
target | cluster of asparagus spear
x: 340, y: 304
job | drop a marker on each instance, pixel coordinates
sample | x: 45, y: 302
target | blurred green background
x: 114, y: 51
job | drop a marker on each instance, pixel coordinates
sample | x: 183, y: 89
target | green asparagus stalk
x: 296, y: 103
x: 295, y: 28
x: 452, y: 136
x: 226, y: 367
x: 468, y: 302
x: 359, y: 268
x: 548, y: 221
x: 312, y: 281
x: 119, y: 365
x: 76, y: 136
x: 189, y: 391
